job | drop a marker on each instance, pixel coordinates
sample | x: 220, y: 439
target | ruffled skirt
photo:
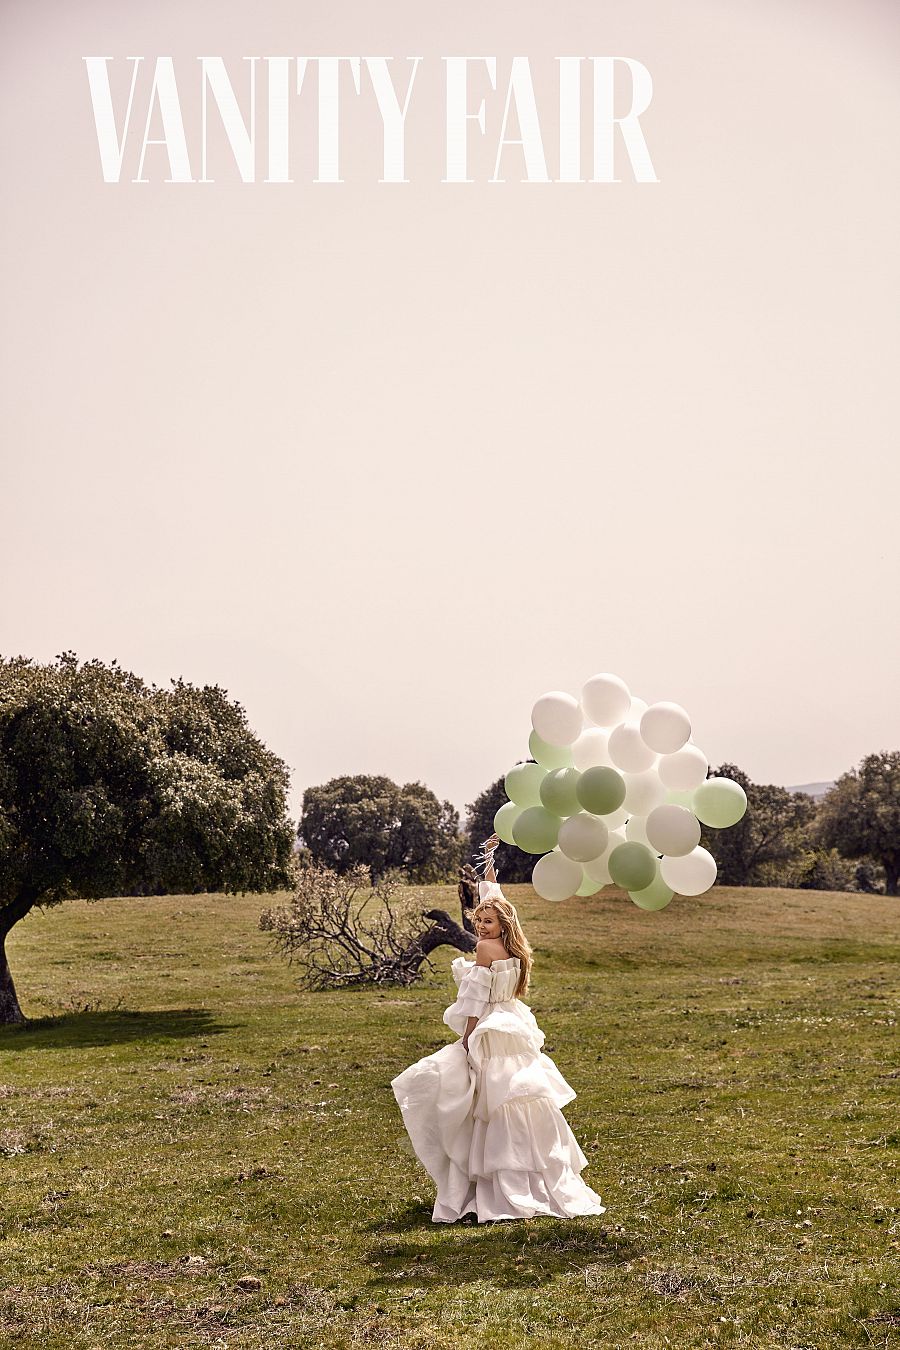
x: 486, y: 1124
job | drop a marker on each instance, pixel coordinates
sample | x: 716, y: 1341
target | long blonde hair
x: 511, y: 935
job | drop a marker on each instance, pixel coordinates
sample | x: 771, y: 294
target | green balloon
x: 719, y: 802
x: 589, y: 886
x: 632, y: 866
x: 655, y: 896
x: 523, y: 784
x: 536, y: 830
x: 601, y: 790
x: 681, y: 797
x: 549, y: 756
x: 505, y: 819
x: 558, y: 792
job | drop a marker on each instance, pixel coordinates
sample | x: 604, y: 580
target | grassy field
x: 178, y: 1118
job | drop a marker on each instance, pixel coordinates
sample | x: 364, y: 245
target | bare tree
x: 342, y: 931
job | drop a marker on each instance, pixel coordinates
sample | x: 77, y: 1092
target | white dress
x: 486, y: 1124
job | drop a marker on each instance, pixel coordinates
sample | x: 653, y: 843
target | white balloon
x: 643, y: 791
x: 673, y: 830
x: 628, y: 750
x: 685, y: 769
x: 606, y: 699
x: 636, y: 833
x: 616, y: 819
x: 556, y: 717
x: 590, y: 750
x: 597, y: 869
x: 665, y: 727
x: 556, y: 877
x: 691, y: 875
x: 636, y: 711
x: 583, y: 837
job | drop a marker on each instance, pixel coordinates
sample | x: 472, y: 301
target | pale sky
x: 389, y: 461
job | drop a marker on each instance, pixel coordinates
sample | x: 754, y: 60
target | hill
x: 816, y: 790
x: 195, y: 1153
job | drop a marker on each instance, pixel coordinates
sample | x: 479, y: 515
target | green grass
x: 178, y: 1116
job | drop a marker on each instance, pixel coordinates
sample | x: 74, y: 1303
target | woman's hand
x: 491, y: 843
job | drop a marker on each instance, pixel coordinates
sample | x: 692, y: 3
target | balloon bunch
x: 616, y: 795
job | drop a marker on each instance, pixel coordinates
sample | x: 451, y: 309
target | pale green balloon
x: 719, y: 802
x: 681, y: 797
x: 549, y: 756
x: 589, y: 886
x: 601, y: 790
x: 505, y: 819
x: 536, y: 830
x: 632, y: 866
x: 523, y: 784
x: 655, y: 896
x: 558, y: 792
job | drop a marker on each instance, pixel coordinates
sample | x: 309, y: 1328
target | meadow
x: 196, y: 1153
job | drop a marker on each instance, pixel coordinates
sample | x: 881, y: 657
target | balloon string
x: 484, y: 857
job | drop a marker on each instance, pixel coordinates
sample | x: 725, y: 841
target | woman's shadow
x: 528, y: 1251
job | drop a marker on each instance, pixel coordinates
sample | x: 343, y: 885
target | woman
x: 483, y: 1113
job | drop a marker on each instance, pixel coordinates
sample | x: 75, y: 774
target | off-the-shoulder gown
x: 486, y: 1123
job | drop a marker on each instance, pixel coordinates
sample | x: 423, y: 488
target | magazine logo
x: 616, y: 139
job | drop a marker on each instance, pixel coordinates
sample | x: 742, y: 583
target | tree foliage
x: 511, y: 863
x: 370, y: 819
x: 769, y: 836
x: 823, y: 869
x: 110, y: 786
x: 860, y: 816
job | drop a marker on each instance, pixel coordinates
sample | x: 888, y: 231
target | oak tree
x: 860, y: 815
x: 370, y: 819
x: 110, y: 786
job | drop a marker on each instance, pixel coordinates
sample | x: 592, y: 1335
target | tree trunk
x: 891, y: 878
x: 443, y: 931
x: 10, y: 1012
x: 468, y: 894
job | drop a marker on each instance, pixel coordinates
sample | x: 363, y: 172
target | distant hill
x: 814, y: 790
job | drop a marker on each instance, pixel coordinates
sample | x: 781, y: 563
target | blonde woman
x: 483, y: 1114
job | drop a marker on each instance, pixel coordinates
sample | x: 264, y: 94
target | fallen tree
x: 341, y: 931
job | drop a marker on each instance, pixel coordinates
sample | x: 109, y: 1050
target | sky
x: 388, y: 461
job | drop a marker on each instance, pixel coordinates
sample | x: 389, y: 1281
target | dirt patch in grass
x: 45, y: 1092
x: 131, y: 1298
x: 41, y: 1138
x: 670, y: 1283
x: 213, y: 1098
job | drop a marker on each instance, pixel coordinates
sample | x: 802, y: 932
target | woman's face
x: 486, y: 923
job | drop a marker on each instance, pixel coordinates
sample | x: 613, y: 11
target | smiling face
x: 487, y: 924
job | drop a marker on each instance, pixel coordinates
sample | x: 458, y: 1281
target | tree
x: 821, y: 869
x: 860, y: 816
x: 770, y: 833
x: 511, y: 863
x: 369, y: 819
x: 110, y: 786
